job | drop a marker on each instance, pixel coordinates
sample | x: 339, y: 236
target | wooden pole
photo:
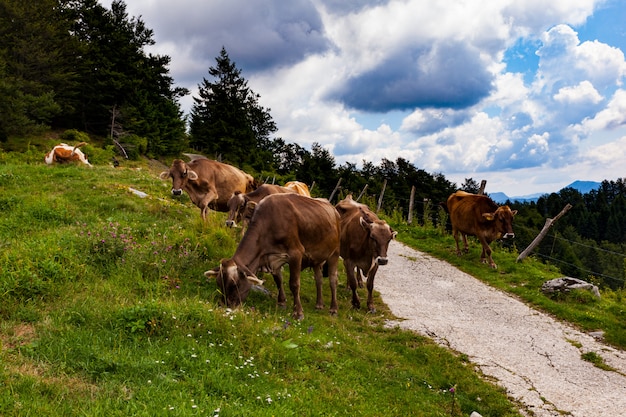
x: 542, y: 234
x: 483, y: 184
x: 410, y: 216
x: 382, y: 193
x: 335, y: 190
x: 311, y: 187
x: 362, y: 192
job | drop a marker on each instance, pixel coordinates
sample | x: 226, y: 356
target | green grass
x: 105, y: 311
x: 524, y: 280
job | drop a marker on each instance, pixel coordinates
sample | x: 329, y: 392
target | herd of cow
x: 285, y: 225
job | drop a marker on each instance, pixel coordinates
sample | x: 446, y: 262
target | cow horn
x: 254, y: 280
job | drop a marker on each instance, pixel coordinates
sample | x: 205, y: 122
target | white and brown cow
x: 364, y: 243
x: 241, y: 205
x: 477, y: 215
x: 208, y: 183
x: 64, y: 153
x: 285, y: 229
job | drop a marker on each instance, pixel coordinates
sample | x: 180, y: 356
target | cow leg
x: 465, y: 245
x: 319, y: 281
x: 278, y: 279
x: 352, y: 282
x: 333, y: 280
x: 455, y: 234
x: 295, y: 265
x: 485, y: 256
x: 370, y: 289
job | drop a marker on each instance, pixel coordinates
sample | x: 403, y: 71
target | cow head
x: 236, y: 205
x: 180, y: 174
x: 234, y: 281
x: 503, y: 218
x: 380, y: 234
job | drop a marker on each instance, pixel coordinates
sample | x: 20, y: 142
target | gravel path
x: 535, y: 358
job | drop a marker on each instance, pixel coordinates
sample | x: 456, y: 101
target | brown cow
x: 239, y: 208
x: 285, y: 229
x: 64, y: 153
x: 299, y: 187
x: 208, y: 182
x: 364, y: 242
x: 477, y: 215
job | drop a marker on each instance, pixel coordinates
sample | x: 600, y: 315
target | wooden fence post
x: 362, y: 192
x: 311, y: 187
x: 410, y: 215
x: 335, y: 190
x: 483, y: 184
x: 542, y: 234
x: 382, y: 193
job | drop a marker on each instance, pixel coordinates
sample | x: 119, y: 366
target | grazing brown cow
x: 299, y: 187
x: 208, y: 182
x: 364, y: 243
x: 477, y: 215
x: 285, y: 229
x: 240, y: 209
x: 64, y: 153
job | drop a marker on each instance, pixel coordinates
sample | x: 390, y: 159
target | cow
x: 285, y: 229
x: 64, y: 153
x: 477, y: 215
x: 208, y: 182
x: 241, y: 205
x: 299, y: 187
x: 364, y: 243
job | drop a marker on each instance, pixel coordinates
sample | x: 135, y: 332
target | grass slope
x: 105, y: 311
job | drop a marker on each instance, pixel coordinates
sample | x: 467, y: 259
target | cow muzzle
x: 382, y: 261
x: 508, y: 236
x: 231, y: 223
x: 177, y: 192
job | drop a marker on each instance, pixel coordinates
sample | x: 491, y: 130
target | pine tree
x: 227, y: 120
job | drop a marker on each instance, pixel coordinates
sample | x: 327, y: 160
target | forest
x: 76, y: 66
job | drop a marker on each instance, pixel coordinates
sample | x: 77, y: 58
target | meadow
x: 106, y: 311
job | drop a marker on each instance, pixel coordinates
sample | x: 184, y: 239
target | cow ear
x: 251, y: 205
x: 192, y: 175
x: 489, y: 216
x: 393, y: 233
x: 514, y: 212
x: 164, y: 175
x: 212, y: 272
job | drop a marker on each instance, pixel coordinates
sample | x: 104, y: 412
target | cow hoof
x: 333, y: 312
x: 356, y: 306
x: 319, y: 307
x: 298, y: 316
x: 371, y: 310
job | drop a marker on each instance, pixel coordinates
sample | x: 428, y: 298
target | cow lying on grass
x: 477, y: 215
x: 64, y: 153
x: 285, y: 229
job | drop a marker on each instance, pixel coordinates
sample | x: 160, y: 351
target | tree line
x: 76, y: 65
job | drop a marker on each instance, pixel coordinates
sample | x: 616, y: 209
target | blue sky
x: 526, y: 94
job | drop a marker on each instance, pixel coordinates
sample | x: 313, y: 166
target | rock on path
x: 534, y: 357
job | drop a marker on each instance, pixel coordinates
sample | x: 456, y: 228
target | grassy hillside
x: 105, y: 311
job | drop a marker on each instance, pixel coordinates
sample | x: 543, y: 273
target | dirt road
x: 535, y: 358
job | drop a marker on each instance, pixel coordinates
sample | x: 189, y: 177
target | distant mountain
x: 582, y: 186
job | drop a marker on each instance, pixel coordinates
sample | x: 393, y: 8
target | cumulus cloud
x: 324, y: 66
